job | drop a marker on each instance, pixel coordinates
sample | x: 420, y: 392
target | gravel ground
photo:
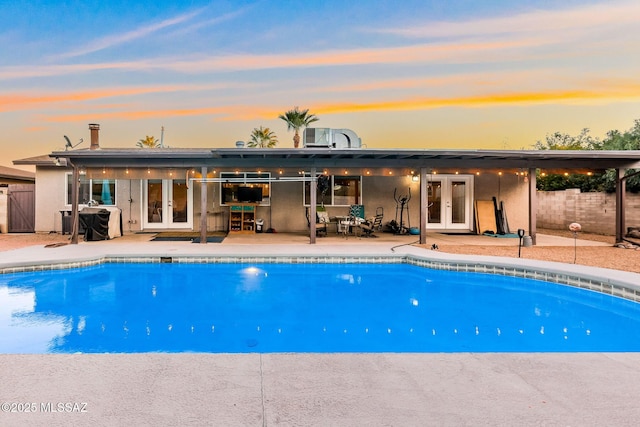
x: 595, y: 256
x: 599, y: 256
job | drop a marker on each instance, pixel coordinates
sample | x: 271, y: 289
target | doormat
x: 210, y: 239
x: 507, y: 235
x: 187, y: 236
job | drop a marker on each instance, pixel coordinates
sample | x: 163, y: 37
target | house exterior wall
x: 510, y: 189
x: 130, y: 189
x: 51, y: 199
x: 287, y: 212
x: 595, y: 212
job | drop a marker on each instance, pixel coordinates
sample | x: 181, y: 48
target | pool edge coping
x: 590, y: 278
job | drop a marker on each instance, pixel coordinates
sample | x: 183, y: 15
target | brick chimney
x: 95, y: 140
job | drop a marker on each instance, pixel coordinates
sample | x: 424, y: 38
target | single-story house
x: 203, y: 189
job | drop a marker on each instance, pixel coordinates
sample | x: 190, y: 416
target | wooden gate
x: 21, y: 206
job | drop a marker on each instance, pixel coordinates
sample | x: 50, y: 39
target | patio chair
x: 321, y: 225
x: 369, y: 226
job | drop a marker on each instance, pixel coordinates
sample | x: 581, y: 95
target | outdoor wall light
x: 415, y: 178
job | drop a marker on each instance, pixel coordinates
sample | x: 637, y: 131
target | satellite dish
x: 68, y: 145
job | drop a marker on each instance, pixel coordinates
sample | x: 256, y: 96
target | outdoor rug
x: 510, y: 235
x: 187, y: 236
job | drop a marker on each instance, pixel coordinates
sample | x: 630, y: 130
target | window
x: 245, y: 187
x: 340, y: 191
x: 102, y: 191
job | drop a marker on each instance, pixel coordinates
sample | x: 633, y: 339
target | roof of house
x: 327, y: 158
x: 42, y: 160
x: 12, y: 174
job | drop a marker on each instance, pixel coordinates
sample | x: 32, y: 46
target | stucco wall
x: 287, y: 213
x: 51, y: 199
x: 510, y: 189
x: 595, y: 212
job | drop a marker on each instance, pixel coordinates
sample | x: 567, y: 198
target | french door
x: 168, y: 202
x: 450, y: 202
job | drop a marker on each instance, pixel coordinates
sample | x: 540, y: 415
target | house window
x: 102, y: 191
x: 339, y: 191
x: 245, y: 187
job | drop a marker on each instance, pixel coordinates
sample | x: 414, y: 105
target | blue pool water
x: 238, y: 308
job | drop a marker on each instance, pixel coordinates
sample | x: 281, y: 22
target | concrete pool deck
x: 313, y: 389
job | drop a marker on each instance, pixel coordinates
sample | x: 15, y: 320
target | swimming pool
x: 240, y: 308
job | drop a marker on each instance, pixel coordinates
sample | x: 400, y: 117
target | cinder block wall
x: 595, y: 212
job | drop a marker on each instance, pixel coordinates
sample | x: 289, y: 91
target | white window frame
x: 331, y: 196
x: 68, y: 197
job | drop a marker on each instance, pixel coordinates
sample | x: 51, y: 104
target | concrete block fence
x: 594, y: 211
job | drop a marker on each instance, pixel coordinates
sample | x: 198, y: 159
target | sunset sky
x: 462, y: 74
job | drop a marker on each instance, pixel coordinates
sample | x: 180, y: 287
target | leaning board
x: 485, y: 216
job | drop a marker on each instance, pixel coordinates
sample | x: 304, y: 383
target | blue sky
x: 412, y: 74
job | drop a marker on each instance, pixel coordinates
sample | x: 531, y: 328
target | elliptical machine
x: 402, y: 206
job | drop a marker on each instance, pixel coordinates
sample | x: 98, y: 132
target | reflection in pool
x: 239, y: 308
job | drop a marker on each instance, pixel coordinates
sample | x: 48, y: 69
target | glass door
x: 450, y: 201
x: 168, y: 204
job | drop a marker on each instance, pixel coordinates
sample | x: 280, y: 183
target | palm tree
x: 262, y: 138
x: 297, y: 119
x: 148, y: 142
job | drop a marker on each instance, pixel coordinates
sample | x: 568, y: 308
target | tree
x: 148, y: 142
x: 262, y: 138
x: 599, y: 181
x: 564, y: 141
x: 629, y: 140
x: 297, y: 119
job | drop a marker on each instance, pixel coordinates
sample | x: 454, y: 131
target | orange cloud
x: 22, y: 101
x: 138, y: 115
x: 615, y: 94
x: 612, y: 93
